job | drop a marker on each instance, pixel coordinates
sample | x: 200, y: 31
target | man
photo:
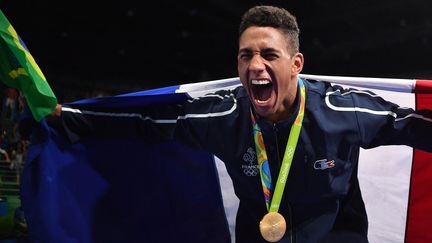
x: 304, y: 137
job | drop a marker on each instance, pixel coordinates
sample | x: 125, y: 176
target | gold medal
x: 272, y: 226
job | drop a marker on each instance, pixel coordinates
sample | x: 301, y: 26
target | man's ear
x: 297, y: 63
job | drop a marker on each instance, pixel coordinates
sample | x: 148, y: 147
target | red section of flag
x: 423, y: 87
x: 420, y: 199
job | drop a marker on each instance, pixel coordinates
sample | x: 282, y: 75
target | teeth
x: 261, y: 101
x: 260, y: 82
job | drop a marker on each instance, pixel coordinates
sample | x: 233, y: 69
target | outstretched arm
x: 385, y: 123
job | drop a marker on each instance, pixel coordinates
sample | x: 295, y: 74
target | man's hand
x: 57, y: 111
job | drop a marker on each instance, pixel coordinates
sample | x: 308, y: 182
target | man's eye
x: 270, y: 56
x: 245, y: 56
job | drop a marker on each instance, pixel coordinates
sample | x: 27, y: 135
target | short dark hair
x: 270, y: 16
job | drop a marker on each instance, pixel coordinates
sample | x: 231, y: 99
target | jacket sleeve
x: 145, y: 122
x: 187, y: 122
x: 385, y: 123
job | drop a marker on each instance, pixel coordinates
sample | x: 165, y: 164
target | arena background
x: 88, y: 49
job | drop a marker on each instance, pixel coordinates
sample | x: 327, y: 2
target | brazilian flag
x: 19, y: 70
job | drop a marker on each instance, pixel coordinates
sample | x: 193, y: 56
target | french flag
x: 123, y: 190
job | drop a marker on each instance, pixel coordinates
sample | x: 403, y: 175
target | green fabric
x: 19, y: 70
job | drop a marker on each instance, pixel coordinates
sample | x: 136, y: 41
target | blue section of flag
x: 144, y: 98
x: 22, y: 43
x: 164, y: 90
x: 111, y: 190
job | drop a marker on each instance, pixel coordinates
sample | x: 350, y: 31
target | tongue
x: 263, y: 92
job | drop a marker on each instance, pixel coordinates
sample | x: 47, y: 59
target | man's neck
x: 281, y: 115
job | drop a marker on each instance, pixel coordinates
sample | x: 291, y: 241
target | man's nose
x: 257, y: 64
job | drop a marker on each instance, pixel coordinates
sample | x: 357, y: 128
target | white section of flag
x: 230, y: 200
x: 391, y: 84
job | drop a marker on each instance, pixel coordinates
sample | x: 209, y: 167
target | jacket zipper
x: 276, y: 130
x: 290, y: 222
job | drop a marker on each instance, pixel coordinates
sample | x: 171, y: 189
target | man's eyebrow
x: 268, y: 50
x: 245, y: 50
x: 265, y: 50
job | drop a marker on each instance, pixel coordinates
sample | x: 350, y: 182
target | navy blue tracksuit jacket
x: 322, y: 200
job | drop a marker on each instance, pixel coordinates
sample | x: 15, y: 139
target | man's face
x: 268, y: 71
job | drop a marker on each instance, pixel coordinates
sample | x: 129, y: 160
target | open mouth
x: 261, y: 89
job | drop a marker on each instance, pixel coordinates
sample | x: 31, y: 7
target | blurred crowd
x: 13, y: 152
x: 13, y: 148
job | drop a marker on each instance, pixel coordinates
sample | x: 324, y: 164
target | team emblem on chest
x: 250, y: 165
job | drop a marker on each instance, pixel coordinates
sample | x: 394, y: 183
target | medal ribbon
x: 263, y: 164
